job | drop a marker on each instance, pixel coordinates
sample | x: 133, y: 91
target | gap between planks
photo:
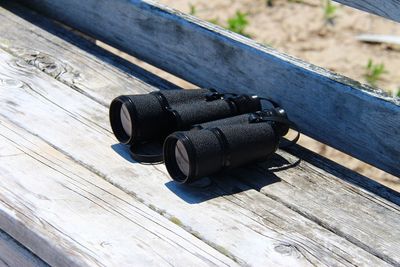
x: 13, y: 254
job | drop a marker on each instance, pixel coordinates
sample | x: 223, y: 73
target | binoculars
x: 202, y: 131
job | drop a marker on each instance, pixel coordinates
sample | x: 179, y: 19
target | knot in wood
x: 48, y: 64
x: 286, y: 249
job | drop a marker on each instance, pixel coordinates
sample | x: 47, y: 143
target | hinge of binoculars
x: 214, y: 96
x: 261, y: 117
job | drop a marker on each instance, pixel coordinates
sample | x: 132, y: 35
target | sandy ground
x: 298, y: 28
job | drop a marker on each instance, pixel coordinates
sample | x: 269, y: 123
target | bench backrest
x: 354, y: 118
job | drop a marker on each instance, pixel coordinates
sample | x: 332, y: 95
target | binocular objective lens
x: 182, y: 158
x: 126, y: 120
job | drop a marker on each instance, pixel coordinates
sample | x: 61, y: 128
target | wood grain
x: 13, y: 254
x: 333, y: 109
x: 389, y: 8
x: 245, y: 217
x: 70, y: 216
x: 118, y: 79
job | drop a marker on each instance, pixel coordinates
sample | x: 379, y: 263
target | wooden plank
x: 118, y: 78
x: 388, y: 9
x: 70, y: 216
x: 13, y: 254
x: 333, y: 109
x: 34, y: 234
x: 234, y: 231
x: 231, y: 215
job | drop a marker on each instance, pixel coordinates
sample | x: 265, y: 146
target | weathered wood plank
x: 70, y: 216
x: 119, y: 82
x: 389, y: 8
x: 118, y: 78
x: 13, y: 254
x: 232, y: 229
x: 250, y: 227
x: 328, y: 107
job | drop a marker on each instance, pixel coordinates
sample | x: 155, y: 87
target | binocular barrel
x: 214, y: 146
x: 150, y: 117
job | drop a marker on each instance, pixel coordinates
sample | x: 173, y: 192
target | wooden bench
x: 71, y: 196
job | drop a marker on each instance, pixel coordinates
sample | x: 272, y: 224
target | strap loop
x: 272, y: 102
x: 259, y: 117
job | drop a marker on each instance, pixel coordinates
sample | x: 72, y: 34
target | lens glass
x: 126, y: 120
x: 182, y: 158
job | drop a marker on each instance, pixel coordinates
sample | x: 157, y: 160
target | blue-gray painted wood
x: 385, y: 8
x: 14, y: 254
x: 328, y: 107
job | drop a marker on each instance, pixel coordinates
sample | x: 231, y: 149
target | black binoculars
x: 202, y: 131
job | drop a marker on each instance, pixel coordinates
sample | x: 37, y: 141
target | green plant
x: 329, y: 11
x: 238, y: 23
x: 193, y: 10
x: 398, y: 92
x: 374, y: 72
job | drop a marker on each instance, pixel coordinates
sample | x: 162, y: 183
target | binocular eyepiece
x: 202, y: 131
